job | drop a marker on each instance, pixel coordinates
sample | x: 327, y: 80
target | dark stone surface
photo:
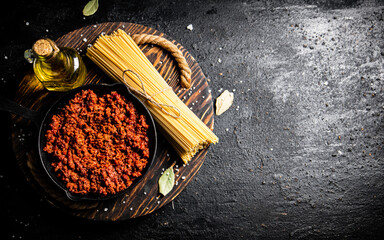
x: 300, y: 153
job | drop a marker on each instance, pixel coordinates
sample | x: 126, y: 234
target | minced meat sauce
x: 99, y: 143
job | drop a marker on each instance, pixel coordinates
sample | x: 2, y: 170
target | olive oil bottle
x: 58, y: 69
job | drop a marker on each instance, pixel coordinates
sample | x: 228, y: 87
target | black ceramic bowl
x: 99, y: 89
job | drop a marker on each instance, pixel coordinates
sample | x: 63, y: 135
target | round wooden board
x: 144, y: 198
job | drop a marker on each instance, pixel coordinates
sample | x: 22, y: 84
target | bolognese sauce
x: 99, y: 143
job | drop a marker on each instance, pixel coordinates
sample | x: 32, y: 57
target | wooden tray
x: 144, y: 197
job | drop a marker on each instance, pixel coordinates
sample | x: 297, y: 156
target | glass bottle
x: 58, y: 69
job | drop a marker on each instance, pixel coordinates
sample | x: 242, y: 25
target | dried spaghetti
x: 117, y: 53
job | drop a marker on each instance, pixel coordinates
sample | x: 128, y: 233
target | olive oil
x: 58, y: 69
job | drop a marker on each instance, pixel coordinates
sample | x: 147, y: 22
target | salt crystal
x: 85, y: 40
x: 190, y: 27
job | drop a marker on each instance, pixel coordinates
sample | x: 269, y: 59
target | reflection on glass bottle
x: 58, y: 69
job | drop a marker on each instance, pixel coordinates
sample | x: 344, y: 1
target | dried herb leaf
x: 223, y: 102
x: 91, y: 7
x: 167, y: 181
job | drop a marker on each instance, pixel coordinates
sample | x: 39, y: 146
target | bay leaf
x: 167, y: 181
x: 91, y: 7
x: 223, y: 102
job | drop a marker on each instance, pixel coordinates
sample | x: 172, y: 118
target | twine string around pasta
x: 149, y: 98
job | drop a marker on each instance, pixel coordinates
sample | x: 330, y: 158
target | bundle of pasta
x: 121, y: 58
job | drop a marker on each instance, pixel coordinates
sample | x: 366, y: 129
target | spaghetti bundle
x: 121, y: 58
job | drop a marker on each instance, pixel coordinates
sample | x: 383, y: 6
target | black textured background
x: 300, y: 153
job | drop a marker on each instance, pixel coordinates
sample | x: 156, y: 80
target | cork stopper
x: 45, y: 48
